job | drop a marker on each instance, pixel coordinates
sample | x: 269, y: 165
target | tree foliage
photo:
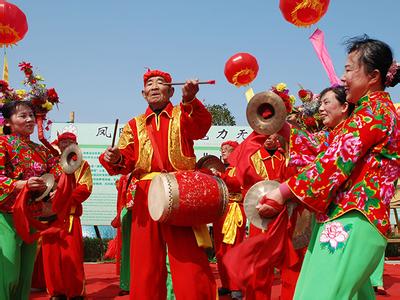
x: 221, y: 115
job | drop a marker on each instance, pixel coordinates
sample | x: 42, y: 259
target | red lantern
x: 13, y: 24
x: 303, y: 13
x: 241, y: 69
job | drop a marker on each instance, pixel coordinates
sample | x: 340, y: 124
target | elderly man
x: 161, y: 140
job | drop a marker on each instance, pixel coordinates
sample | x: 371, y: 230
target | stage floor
x: 102, y: 283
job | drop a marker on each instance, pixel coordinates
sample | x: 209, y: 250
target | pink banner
x: 317, y: 39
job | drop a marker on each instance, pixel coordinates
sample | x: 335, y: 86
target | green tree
x: 221, y: 115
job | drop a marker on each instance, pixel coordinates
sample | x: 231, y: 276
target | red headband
x: 66, y: 136
x: 233, y: 144
x: 153, y: 73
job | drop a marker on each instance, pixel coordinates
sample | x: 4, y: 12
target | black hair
x: 374, y: 55
x: 10, y: 109
x: 340, y: 94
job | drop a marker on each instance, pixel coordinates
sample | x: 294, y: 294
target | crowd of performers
x: 328, y: 217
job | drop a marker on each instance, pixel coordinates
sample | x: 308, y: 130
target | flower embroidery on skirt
x: 334, y: 235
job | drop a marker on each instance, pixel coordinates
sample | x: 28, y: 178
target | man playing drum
x: 161, y: 140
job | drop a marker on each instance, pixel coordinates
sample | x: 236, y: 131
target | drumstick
x: 115, y: 133
x: 183, y: 83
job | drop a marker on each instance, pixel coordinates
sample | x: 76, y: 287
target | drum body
x: 187, y: 198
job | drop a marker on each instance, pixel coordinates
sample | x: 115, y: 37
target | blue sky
x: 95, y: 52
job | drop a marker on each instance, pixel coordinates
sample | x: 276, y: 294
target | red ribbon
x: 62, y: 201
x: 267, y: 250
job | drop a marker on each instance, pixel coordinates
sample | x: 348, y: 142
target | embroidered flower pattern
x: 334, y: 235
x: 359, y: 161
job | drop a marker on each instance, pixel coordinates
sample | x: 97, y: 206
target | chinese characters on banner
x: 94, y: 138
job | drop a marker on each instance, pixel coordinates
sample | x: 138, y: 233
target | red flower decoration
x: 52, y: 96
x: 305, y: 95
x: 302, y: 93
x: 24, y: 66
x: 4, y: 86
x: 285, y: 97
x: 310, y: 121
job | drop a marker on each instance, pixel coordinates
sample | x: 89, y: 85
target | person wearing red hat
x: 269, y: 163
x: 64, y: 255
x: 161, y: 140
x: 230, y: 229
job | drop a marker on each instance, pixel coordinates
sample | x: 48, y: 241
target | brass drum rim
x: 173, y: 196
x: 223, y: 190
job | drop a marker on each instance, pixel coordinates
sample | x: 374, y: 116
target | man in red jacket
x: 230, y: 229
x: 63, y: 256
x: 161, y: 140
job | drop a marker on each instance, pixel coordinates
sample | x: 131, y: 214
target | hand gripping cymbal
x: 253, y: 197
x: 255, y: 113
x: 49, y: 180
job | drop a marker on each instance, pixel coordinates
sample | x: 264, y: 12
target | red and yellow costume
x: 149, y: 144
x: 255, y: 164
x: 63, y: 254
x: 230, y: 229
x: 268, y: 167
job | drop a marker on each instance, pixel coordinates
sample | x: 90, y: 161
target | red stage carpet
x: 102, y: 283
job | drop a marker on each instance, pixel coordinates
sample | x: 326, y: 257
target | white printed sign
x: 94, y: 138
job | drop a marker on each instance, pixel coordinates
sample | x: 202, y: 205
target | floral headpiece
x: 391, y: 73
x: 7, y: 94
x: 42, y: 98
x: 307, y: 114
x: 282, y: 91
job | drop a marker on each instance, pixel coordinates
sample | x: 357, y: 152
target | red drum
x: 187, y: 198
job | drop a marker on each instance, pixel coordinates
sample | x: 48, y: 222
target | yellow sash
x: 233, y: 220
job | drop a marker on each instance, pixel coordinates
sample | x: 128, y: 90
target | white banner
x: 94, y: 138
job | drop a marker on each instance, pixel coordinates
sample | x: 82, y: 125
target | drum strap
x: 149, y: 176
x: 157, y: 156
x: 71, y: 218
x: 202, y: 235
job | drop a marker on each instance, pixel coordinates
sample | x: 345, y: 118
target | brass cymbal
x: 210, y: 162
x: 71, y: 159
x: 253, y: 197
x: 258, y: 104
x: 49, y: 180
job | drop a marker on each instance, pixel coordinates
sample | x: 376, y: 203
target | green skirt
x: 341, y: 256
